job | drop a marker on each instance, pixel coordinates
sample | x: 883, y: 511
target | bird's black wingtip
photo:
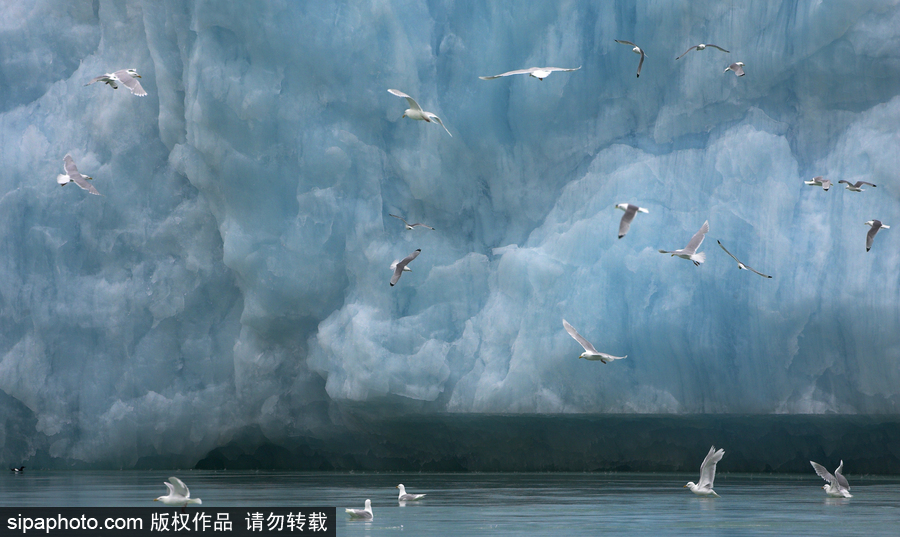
x: 620, y: 236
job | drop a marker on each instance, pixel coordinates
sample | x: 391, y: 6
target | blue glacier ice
x: 228, y: 294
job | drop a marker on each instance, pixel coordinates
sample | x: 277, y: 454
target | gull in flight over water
x: 707, y: 474
x: 690, y: 251
x: 125, y: 76
x: 857, y: 186
x: 636, y: 50
x: 590, y: 353
x: 701, y: 46
x: 72, y: 176
x: 539, y: 73
x: 365, y: 514
x: 399, y: 266
x: 741, y: 265
x: 837, y: 486
x: 178, y: 494
x: 737, y: 68
x: 410, y: 226
x: 19, y: 470
x: 819, y: 181
x: 406, y: 497
x: 630, y: 211
x: 870, y: 236
x: 415, y: 111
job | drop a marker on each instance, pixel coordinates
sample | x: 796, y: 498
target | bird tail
x: 699, y: 258
x: 198, y: 501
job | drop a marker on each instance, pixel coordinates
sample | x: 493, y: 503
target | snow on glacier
x: 235, y: 272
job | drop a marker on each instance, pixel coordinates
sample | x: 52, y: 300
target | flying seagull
x: 410, y: 226
x: 415, y: 111
x: 630, y: 211
x: 737, y: 68
x: 539, y: 73
x: 178, y: 494
x: 707, y: 474
x: 125, y: 76
x: 870, y: 236
x: 701, y: 46
x: 838, y: 486
x: 590, y: 353
x: 19, y: 470
x: 405, y: 497
x: 636, y: 50
x: 690, y: 251
x: 72, y: 175
x: 400, y: 266
x: 741, y: 265
x: 819, y: 181
x: 365, y: 514
x: 855, y: 187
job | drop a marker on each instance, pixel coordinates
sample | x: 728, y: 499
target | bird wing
x: 412, y: 102
x: 641, y: 63
x: 860, y: 183
x: 130, y: 82
x: 841, y: 480
x: 751, y: 269
x: 398, y: 270
x: 870, y: 236
x: 822, y: 472
x: 826, y: 184
x: 169, y: 487
x: 844, y: 181
x: 516, y: 72
x: 179, y: 487
x: 401, y: 218
x: 626, y: 43
x: 738, y: 70
x: 697, y: 239
x: 81, y: 181
x: 625, y: 223
x: 69, y: 166
x: 423, y: 225
x: 98, y: 79
x: 441, y: 123
x: 718, y: 47
x: 686, y: 51
x: 708, y: 468
x: 561, y: 68
x: 727, y: 252
x: 574, y: 333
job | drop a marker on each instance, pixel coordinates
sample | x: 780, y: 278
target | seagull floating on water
x: 410, y: 226
x: 630, y: 211
x: 365, y: 514
x: 72, y: 176
x: 400, y: 266
x: 178, y: 494
x: 404, y: 497
x: 125, y: 76
x: 870, y: 236
x: 539, y: 73
x: 19, y: 470
x: 741, y: 265
x: 636, y: 50
x: 690, y: 251
x: 737, y: 68
x: 855, y: 187
x: 819, y: 181
x: 415, y: 111
x: 707, y: 474
x: 590, y: 353
x: 837, y: 486
x: 701, y: 46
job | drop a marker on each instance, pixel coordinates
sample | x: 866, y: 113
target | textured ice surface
x: 234, y: 276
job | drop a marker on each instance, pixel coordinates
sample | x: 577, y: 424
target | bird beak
x: 404, y: 115
x: 155, y: 499
x: 684, y: 487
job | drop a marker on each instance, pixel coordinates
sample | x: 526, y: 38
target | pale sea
x: 469, y: 504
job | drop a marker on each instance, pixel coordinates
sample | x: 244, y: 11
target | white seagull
x: 590, y: 353
x: 870, y: 236
x: 819, y: 181
x: 855, y: 187
x: 410, y: 226
x: 690, y: 251
x: 125, y: 76
x: 741, y: 265
x: 72, y: 176
x: 539, y: 73
x: 178, y: 494
x: 630, y: 211
x: 405, y: 497
x: 400, y: 266
x: 702, y: 46
x: 636, y: 50
x: 837, y: 486
x: 415, y: 111
x: 365, y: 514
x: 737, y: 68
x: 707, y: 474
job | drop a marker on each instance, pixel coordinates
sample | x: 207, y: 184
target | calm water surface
x: 503, y: 504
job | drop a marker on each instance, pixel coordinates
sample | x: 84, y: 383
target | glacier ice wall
x: 233, y: 276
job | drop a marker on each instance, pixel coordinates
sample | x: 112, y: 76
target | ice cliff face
x: 235, y: 272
